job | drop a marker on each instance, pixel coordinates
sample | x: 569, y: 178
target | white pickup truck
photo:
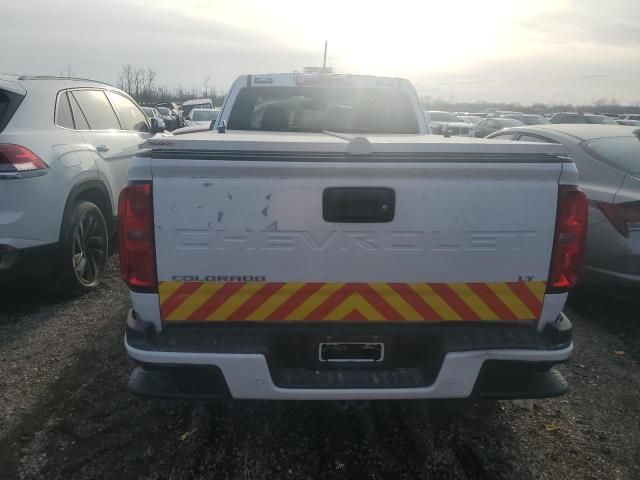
x: 320, y: 245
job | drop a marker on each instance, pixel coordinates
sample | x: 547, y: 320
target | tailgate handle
x: 358, y: 204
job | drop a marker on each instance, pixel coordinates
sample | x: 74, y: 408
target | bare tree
x: 205, y: 84
x: 606, y: 102
x: 67, y: 72
x: 150, y: 78
x: 138, y: 82
x: 126, y: 79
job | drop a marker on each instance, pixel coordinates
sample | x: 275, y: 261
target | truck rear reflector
x: 570, y: 236
x: 137, y: 243
x: 350, y: 302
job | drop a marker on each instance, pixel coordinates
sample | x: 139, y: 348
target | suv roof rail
x: 59, y: 77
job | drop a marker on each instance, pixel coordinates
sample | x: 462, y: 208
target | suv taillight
x: 16, y: 158
x: 570, y: 236
x: 625, y: 217
x: 137, y: 243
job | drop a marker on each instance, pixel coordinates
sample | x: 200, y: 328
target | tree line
x: 140, y: 83
x: 601, y: 105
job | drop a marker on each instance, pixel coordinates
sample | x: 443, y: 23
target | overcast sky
x: 496, y: 50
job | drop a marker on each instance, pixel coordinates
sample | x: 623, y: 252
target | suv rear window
x: 314, y: 109
x: 4, y: 103
x: 9, y: 103
x: 63, y: 117
x: 619, y: 152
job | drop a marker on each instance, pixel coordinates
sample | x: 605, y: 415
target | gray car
x: 491, y: 125
x: 608, y: 161
x: 441, y: 122
x: 528, y: 118
x: 576, y: 117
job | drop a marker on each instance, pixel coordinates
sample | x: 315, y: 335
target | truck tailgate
x: 429, y: 239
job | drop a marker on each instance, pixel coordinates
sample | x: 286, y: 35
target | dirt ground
x: 65, y: 412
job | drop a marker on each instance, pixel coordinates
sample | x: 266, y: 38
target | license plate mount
x: 351, y: 352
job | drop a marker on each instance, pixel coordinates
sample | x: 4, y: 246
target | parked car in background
x: 527, y: 118
x: 175, y: 112
x: 472, y: 119
x: 630, y: 123
x: 151, y: 112
x: 171, y: 105
x: 65, y: 148
x: 633, y: 116
x: 491, y: 125
x: 202, y: 116
x: 189, y: 105
x: 170, y: 120
x: 446, y: 121
x: 573, y: 117
x: 471, y: 114
x: 608, y: 161
x: 500, y: 113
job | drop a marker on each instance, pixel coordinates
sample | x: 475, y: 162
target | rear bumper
x: 465, y: 361
x: 27, y: 263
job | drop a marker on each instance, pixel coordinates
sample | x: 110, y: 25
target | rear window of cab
x: 314, y: 109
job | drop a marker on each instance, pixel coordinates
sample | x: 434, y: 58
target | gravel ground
x: 65, y: 412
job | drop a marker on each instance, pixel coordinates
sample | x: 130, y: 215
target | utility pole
x: 324, y: 61
x: 324, y: 68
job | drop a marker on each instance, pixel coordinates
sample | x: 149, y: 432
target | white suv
x: 65, y: 149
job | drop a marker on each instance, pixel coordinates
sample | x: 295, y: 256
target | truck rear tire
x: 84, y: 244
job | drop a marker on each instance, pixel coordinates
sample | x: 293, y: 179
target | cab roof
x: 293, y: 79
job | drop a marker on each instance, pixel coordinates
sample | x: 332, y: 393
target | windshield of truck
x: 619, y: 152
x: 314, y: 109
x: 204, y: 115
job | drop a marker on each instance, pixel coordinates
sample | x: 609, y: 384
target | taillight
x: 16, y: 158
x: 137, y: 244
x: 625, y: 217
x: 570, y: 236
